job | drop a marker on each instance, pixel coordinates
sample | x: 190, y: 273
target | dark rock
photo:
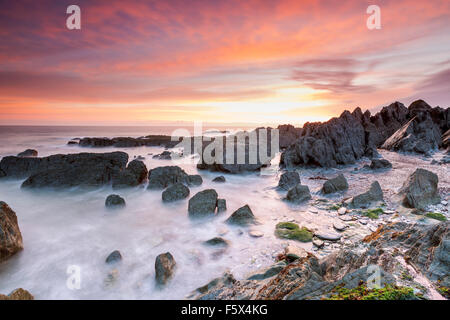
x: 175, y: 192
x: 242, y: 217
x: 288, y: 135
x: 72, y: 142
x: 334, y: 185
x: 164, y: 267
x: 365, y: 200
x: 420, y: 189
x: 203, y: 204
x: 62, y: 171
x: 125, y: 142
x: 195, y: 180
x: 379, y: 164
x: 10, y: 236
x: 134, y: 175
x: 114, y: 257
x: 219, y: 179
x: 114, y: 201
x: 28, y: 153
x: 217, y: 242
x: 446, y: 140
x: 165, y: 155
x: 163, y: 177
x: 268, y: 273
x: 288, y: 180
x: 221, y: 205
x: 299, y: 193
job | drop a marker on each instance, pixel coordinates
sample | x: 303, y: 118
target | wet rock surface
x: 203, y: 204
x: 10, y: 237
x: 242, y: 217
x: 114, y: 201
x: 133, y: 175
x: 288, y: 180
x: 163, y: 177
x: 165, y: 266
x: 177, y: 191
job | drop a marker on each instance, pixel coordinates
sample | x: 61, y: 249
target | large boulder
x: 28, y: 153
x: 336, y: 184
x: 420, y: 189
x: 242, y: 217
x: 288, y: 180
x: 163, y: 177
x: 368, y: 198
x: 175, y: 192
x: 299, y: 193
x: 164, y: 268
x: 10, y: 236
x: 134, y: 175
x: 203, y: 204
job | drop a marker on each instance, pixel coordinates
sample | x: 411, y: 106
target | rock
x: 64, y: 171
x: 318, y: 243
x: 28, y: 153
x: 221, y: 205
x: 163, y: 177
x: 165, y: 155
x: 288, y: 135
x: 292, y: 231
x: 175, y: 192
x: 419, y: 135
x: 114, y: 257
x: 299, y: 193
x: 114, y: 201
x: 10, y: 236
x: 327, y: 235
x: 164, y: 267
x: 195, y: 180
x: 269, y: 272
x: 365, y: 200
x: 336, y: 184
x: 219, y: 179
x: 289, y: 180
x: 255, y: 234
x: 217, y: 242
x: 135, y: 174
x: 420, y: 189
x: 126, y: 142
x: 203, y: 204
x: 293, y: 253
x: 346, y: 218
x: 72, y: 142
x: 242, y: 217
x: 379, y: 164
x: 446, y: 140
x: 342, y: 211
x: 339, y: 226
x: 18, y: 294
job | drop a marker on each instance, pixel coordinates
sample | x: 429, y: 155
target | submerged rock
x: 28, y: 153
x: 289, y: 180
x: 175, y: 192
x: 420, y: 189
x: 219, y: 179
x: 195, y: 180
x: 242, y: 217
x: 203, y: 204
x: 114, y: 257
x: 164, y: 267
x: 217, y: 242
x: 133, y: 175
x: 163, y: 177
x: 221, y: 205
x: 165, y: 155
x: 299, y: 193
x: 10, y: 236
x: 115, y: 201
x: 334, y: 185
x: 366, y: 199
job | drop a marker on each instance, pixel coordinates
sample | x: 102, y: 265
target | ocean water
x: 68, y: 228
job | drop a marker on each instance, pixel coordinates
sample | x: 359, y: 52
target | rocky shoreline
x: 369, y: 235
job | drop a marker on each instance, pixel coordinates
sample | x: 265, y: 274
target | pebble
x: 318, y: 243
x: 255, y: 234
x: 363, y: 221
x: 346, y: 218
x: 330, y: 236
x: 339, y: 226
x: 315, y: 211
x: 342, y: 211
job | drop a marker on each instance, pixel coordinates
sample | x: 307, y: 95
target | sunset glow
x: 262, y: 62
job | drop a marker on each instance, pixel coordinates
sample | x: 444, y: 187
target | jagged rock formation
x: 10, y: 236
x: 420, y: 189
x: 343, y: 140
x: 288, y: 180
x: 368, y: 198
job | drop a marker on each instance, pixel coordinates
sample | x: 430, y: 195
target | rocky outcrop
x: 164, y: 268
x: 10, y: 236
x: 177, y: 191
x: 28, y: 153
x: 114, y: 201
x: 242, y: 217
x: 309, y: 278
x: 420, y: 189
x: 299, y: 193
x: 163, y: 177
x: 135, y: 174
x: 368, y: 198
x: 288, y: 180
x: 128, y: 142
x: 336, y: 184
x: 203, y: 204
x: 288, y: 135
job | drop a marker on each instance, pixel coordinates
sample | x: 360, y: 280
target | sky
x: 228, y: 62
